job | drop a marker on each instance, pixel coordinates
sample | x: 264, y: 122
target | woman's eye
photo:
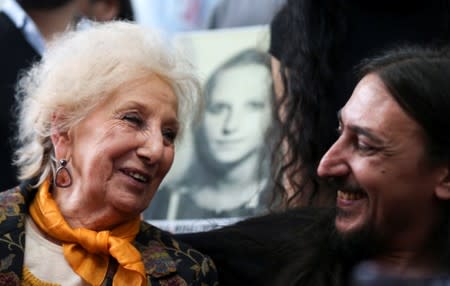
x: 217, y: 107
x: 256, y: 105
x: 169, y: 135
x: 133, y: 118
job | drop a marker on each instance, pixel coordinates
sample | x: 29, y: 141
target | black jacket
x: 15, y: 55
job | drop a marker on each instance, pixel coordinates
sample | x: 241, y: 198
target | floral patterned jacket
x: 167, y: 261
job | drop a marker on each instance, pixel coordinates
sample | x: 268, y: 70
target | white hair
x: 82, y: 69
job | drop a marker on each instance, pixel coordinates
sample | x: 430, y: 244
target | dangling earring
x: 63, y: 179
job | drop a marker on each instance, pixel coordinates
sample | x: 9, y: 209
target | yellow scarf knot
x: 88, y: 251
x: 94, y: 242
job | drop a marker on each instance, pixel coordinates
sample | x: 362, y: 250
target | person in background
x: 26, y: 27
x: 228, y: 177
x: 97, y: 130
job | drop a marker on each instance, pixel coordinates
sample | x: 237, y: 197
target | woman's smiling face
x: 119, y: 154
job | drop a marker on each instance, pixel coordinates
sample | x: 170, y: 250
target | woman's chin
x: 225, y: 161
x: 129, y: 201
x: 129, y: 208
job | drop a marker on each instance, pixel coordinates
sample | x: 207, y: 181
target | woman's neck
x: 231, y: 186
x: 82, y: 212
x: 240, y: 173
x: 229, y: 197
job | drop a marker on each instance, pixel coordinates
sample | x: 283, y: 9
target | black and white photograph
x: 221, y: 170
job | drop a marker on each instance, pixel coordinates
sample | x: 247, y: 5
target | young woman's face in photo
x: 237, y: 113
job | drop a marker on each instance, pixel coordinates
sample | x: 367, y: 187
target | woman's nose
x: 231, y: 122
x: 151, y: 148
x: 334, y: 162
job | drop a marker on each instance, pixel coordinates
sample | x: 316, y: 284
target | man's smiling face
x: 386, y: 183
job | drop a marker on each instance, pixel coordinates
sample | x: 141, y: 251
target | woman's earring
x: 63, y: 179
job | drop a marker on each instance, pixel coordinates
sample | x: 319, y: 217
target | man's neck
x: 418, y: 252
x: 54, y: 21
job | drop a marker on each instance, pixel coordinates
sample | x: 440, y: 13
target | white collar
x: 24, y: 23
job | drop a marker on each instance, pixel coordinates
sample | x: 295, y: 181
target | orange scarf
x: 87, y: 251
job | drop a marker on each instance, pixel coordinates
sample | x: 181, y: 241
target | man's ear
x: 60, y: 138
x: 442, y: 190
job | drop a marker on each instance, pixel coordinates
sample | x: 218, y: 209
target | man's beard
x: 358, y: 245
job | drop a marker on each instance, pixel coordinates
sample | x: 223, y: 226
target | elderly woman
x: 98, y: 118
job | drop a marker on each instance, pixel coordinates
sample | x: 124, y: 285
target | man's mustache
x: 343, y: 184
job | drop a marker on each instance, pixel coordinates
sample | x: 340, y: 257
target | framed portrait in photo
x: 221, y: 168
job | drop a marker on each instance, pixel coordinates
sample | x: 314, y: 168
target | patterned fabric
x: 167, y: 262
